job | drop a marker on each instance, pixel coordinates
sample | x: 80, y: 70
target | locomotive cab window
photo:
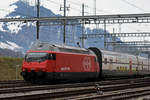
x: 36, y: 57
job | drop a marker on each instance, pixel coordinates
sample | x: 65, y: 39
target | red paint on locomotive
x: 64, y: 62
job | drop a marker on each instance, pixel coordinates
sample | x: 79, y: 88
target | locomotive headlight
x: 42, y: 69
x: 24, y: 69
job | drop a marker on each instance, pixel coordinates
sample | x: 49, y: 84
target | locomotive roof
x: 61, y: 48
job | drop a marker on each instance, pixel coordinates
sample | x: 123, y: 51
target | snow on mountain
x: 13, y: 27
x: 10, y: 45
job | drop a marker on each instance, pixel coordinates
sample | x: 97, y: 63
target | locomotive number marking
x: 86, y: 63
x: 65, y: 68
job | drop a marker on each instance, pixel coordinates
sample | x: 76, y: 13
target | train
x: 49, y: 62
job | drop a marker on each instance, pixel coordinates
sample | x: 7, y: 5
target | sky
x: 103, y: 7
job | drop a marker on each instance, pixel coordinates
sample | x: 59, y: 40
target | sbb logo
x: 86, y: 63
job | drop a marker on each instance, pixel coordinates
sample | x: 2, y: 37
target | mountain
x: 19, y: 36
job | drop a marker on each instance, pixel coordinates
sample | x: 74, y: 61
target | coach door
x: 148, y: 64
x: 130, y: 66
x: 110, y: 64
x: 137, y: 66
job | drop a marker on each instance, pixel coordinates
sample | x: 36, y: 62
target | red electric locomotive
x: 45, y: 62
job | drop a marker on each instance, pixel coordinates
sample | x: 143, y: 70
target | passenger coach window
x: 52, y: 56
x: 105, y: 61
x: 111, y: 61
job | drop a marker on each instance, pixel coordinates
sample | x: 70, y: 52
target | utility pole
x: 82, y: 26
x: 95, y: 13
x: 38, y: 15
x: 119, y: 27
x: 113, y: 40
x: 64, y: 21
x: 64, y: 9
x: 94, y: 7
x: 104, y: 34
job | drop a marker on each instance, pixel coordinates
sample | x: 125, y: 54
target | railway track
x: 21, y: 83
x: 113, y: 95
x: 92, y: 90
x: 13, y: 83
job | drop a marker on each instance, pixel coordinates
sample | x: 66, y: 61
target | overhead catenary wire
x: 98, y: 10
x: 133, y: 5
x: 56, y: 3
x: 77, y: 4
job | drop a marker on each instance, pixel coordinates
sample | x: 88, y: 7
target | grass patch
x: 10, y: 68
